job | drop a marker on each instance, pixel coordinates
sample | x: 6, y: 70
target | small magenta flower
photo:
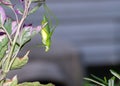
x: 2, y: 35
x: 2, y: 15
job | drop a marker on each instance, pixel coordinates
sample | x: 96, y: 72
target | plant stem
x: 10, y: 55
x: 12, y: 8
x: 1, y: 83
x: 12, y: 60
x: 15, y: 14
x: 7, y: 34
x: 27, y: 4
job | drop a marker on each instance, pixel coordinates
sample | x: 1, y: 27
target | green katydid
x: 46, y: 33
x: 47, y: 28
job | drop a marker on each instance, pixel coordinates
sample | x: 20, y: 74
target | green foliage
x: 8, y: 25
x: 14, y: 34
x: 115, y: 74
x: 14, y: 82
x: 11, y: 82
x: 25, y: 36
x: 3, y: 42
x: 3, y: 47
x: 104, y: 82
x: 20, y: 62
x: 34, y: 84
x: 33, y: 10
x: 3, y: 51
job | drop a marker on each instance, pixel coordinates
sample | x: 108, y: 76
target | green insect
x: 46, y: 33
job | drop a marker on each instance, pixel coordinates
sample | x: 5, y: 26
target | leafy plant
x: 14, y: 34
x: 104, y: 82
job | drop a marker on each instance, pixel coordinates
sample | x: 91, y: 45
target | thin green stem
x: 27, y: 5
x: 3, y: 61
x: 11, y: 62
x: 15, y: 14
x: 1, y: 82
x: 12, y: 8
x: 12, y: 48
x: 7, y: 34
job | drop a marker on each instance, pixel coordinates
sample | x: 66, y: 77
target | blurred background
x: 86, y: 41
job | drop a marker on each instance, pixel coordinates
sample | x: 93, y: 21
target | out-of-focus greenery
x: 96, y: 81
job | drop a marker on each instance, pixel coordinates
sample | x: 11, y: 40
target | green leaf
x: 20, y: 62
x: 3, y: 42
x: 3, y: 51
x: 105, y: 79
x: 3, y: 47
x: 11, y: 82
x: 14, y: 81
x: 25, y: 36
x: 94, y: 81
x: 115, y: 74
x: 8, y: 25
x: 111, y: 81
x: 99, y: 79
x: 16, y: 49
x: 35, y: 8
x: 34, y: 84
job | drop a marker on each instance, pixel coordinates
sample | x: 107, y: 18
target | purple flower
x: 2, y: 15
x: 2, y: 34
